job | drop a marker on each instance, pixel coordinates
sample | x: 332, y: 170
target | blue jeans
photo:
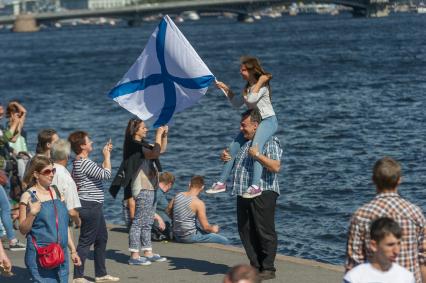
x: 265, y: 130
x: 5, y: 214
x: 203, y: 237
x: 233, y: 148
x: 93, y: 231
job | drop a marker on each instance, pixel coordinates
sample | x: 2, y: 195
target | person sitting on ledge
x: 184, y: 208
x: 166, y: 182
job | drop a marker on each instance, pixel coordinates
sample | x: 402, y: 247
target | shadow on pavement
x: 21, y: 275
x: 120, y: 230
x: 196, y: 265
x: 115, y: 255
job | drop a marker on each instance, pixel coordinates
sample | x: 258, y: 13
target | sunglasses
x: 47, y: 172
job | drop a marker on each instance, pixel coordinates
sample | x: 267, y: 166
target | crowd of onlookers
x: 44, y: 201
x: 16, y: 114
x: 47, y: 199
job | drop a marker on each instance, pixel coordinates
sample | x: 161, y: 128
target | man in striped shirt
x: 256, y: 216
x: 185, y: 208
x: 388, y: 203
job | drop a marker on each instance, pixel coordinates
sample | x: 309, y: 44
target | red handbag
x: 52, y: 255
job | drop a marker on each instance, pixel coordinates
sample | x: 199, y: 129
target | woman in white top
x: 256, y: 95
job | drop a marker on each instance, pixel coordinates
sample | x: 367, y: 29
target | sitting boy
x: 166, y: 182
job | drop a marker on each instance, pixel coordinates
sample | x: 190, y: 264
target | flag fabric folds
x: 167, y: 78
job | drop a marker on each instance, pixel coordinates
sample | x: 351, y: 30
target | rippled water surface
x: 346, y: 91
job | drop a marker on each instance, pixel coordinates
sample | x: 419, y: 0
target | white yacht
x: 190, y: 15
x: 421, y: 9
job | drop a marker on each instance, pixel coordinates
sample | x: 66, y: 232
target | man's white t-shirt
x: 366, y: 273
x: 66, y: 185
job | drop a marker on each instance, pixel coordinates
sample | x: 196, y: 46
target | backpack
x: 16, y: 188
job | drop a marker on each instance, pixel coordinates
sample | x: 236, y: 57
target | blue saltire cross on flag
x: 167, y: 78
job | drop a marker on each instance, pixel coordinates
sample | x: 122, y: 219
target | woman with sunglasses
x: 88, y: 177
x: 40, y: 208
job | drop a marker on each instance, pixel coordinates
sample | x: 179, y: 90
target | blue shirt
x: 162, y: 202
x: 243, y: 168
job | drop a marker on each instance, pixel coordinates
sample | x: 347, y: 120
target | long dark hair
x: 132, y: 128
x: 129, y: 140
x: 253, y: 66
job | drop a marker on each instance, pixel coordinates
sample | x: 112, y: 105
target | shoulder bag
x: 52, y: 255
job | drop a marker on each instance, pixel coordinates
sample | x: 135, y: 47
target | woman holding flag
x: 140, y: 168
x: 255, y: 94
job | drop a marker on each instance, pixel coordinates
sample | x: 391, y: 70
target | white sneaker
x: 81, y: 280
x: 17, y: 246
x: 107, y: 278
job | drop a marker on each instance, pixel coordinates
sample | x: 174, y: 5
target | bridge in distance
x: 242, y: 8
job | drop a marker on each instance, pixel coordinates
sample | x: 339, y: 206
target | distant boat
x: 228, y: 15
x: 257, y: 16
x: 401, y: 8
x: 271, y: 13
x: 421, y: 9
x: 248, y: 20
x: 293, y: 11
x: 334, y: 12
x: 179, y: 19
x: 190, y: 15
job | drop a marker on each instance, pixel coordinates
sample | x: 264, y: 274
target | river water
x: 346, y: 91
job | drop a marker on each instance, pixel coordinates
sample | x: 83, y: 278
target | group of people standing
x: 386, y: 241
x: 77, y: 198
x: 49, y: 196
x: 54, y: 196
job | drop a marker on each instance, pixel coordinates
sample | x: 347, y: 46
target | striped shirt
x: 409, y: 217
x: 243, y: 168
x: 183, y: 216
x: 88, y: 177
